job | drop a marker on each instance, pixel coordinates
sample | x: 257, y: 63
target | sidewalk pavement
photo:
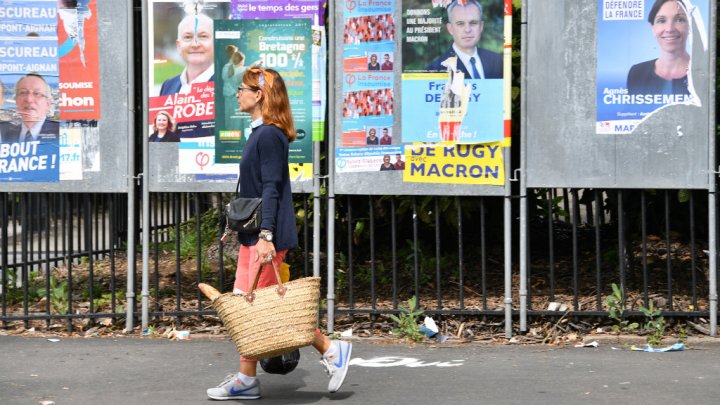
x: 133, y: 370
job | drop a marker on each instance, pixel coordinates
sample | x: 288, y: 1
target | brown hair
x: 171, y: 121
x: 656, y: 8
x: 275, y: 103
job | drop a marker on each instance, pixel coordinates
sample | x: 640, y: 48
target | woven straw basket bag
x: 270, y: 321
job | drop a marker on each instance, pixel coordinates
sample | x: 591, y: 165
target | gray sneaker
x: 337, y: 365
x: 233, y: 388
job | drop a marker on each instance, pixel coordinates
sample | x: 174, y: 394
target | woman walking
x: 264, y: 173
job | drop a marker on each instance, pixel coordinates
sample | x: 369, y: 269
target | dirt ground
x: 167, y: 275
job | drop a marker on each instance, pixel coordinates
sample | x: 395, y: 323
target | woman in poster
x: 668, y: 73
x: 372, y: 138
x: 386, y: 165
x: 264, y: 173
x: 164, y: 128
x: 373, y: 65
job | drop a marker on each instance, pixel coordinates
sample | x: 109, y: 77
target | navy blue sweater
x: 264, y: 173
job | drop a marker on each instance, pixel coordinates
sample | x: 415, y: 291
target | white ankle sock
x: 245, y: 379
x: 332, y: 351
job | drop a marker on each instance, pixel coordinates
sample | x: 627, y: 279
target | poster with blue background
x: 642, y: 67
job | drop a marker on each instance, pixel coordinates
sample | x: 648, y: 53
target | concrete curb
x: 629, y: 340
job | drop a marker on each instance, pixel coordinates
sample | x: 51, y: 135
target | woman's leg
x: 244, y: 278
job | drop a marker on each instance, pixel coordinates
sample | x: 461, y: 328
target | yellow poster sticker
x: 480, y: 163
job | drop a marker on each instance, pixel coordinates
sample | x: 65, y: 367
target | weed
x: 655, y: 325
x: 682, y: 335
x: 616, y: 309
x: 407, y: 325
x: 58, y: 295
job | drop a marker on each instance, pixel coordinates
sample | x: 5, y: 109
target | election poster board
x: 33, y: 157
x: 401, y: 113
x: 77, y: 32
x: 203, y: 151
x: 670, y: 147
x: 282, y: 45
x: 452, y: 83
x: 50, y: 122
x: 644, y: 59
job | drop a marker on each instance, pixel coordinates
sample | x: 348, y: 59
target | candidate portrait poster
x: 181, y: 76
x: 452, y: 83
x: 642, y: 65
x: 77, y: 33
x: 315, y: 11
x: 282, y: 45
x: 29, y: 156
x: 368, y: 92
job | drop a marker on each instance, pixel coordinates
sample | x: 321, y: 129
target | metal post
x: 507, y: 230
x: 130, y: 294
x: 712, y: 186
x: 145, y: 291
x: 523, y: 201
x: 330, y: 185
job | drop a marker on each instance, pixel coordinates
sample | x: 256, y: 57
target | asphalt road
x: 159, y: 371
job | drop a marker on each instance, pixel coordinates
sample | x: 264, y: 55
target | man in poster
x: 33, y: 99
x: 465, y: 25
x: 196, y: 50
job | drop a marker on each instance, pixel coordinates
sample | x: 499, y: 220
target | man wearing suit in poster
x: 465, y: 25
x: 33, y: 100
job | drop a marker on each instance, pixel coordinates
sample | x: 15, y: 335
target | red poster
x: 78, y: 55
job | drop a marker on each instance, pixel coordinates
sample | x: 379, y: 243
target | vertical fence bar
x: 461, y: 274
x: 438, y: 277
x: 415, y: 250
x: 221, y: 246
x: 483, y: 255
x: 88, y: 211
x: 693, y: 279
x: 177, y: 208
x: 551, y: 243
x: 351, y: 266
x: 373, y: 292
x: 393, y: 236
x: 69, y: 260
x: 199, y: 252
x: 575, y: 219
x: 598, y: 250
x: 621, y: 243
x: 643, y: 224
x: 668, y: 247
x: 156, y: 248
x: 4, y: 254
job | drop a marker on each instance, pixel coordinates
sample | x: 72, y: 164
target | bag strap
x: 237, y: 186
x: 281, y: 289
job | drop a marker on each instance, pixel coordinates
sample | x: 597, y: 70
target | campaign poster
x: 23, y: 18
x: 283, y: 45
x: 644, y: 59
x: 77, y: 34
x: 314, y: 10
x: 369, y: 159
x: 453, y: 71
x: 368, y: 91
x: 450, y: 163
x: 182, y: 72
x: 29, y: 128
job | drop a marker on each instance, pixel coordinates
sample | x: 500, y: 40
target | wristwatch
x: 267, y: 235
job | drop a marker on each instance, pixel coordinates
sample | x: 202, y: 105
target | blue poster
x: 644, y: 59
x: 22, y: 18
x: 422, y: 95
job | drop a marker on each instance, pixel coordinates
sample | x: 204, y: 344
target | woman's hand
x: 264, y: 251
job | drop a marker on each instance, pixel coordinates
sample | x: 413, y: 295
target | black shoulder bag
x: 243, y: 215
